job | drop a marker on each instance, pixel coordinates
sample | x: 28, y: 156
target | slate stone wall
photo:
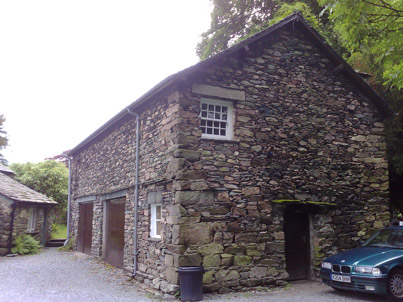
x: 224, y: 201
x: 5, y: 224
x: 328, y: 147
x: 108, y: 165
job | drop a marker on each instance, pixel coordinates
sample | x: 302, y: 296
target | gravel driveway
x: 53, y: 276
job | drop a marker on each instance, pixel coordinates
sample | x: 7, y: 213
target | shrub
x: 25, y: 244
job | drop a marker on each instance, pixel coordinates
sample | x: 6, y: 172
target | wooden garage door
x: 114, y: 231
x: 84, y: 238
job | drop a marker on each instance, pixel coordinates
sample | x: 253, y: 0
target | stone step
x: 56, y: 242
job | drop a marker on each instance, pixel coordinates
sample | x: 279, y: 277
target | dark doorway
x: 297, y: 245
x: 114, y: 231
x: 84, y: 237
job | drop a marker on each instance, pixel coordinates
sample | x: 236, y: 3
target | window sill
x: 221, y: 141
x: 32, y: 232
x: 154, y: 239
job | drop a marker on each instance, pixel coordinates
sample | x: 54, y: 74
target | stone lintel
x: 222, y: 92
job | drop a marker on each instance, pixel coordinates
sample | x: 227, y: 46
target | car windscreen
x: 386, y: 238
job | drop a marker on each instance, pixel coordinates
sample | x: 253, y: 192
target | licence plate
x: 341, y: 278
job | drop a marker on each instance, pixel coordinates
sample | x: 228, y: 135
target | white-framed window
x: 156, y: 225
x: 216, y: 119
x: 32, y: 216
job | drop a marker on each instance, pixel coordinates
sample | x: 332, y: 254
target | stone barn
x: 256, y: 164
x: 22, y: 211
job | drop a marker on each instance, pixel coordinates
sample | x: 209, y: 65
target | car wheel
x: 395, y: 285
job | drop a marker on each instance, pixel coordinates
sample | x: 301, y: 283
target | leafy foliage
x: 49, y: 178
x: 232, y: 20
x: 25, y: 244
x: 372, y: 28
x: 3, y: 139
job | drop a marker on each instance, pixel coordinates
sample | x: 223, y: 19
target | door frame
x: 105, y: 223
x: 83, y: 207
x: 309, y: 235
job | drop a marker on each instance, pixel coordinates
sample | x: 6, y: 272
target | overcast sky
x: 66, y: 67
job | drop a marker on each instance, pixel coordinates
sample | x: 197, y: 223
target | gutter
x: 10, y: 238
x: 136, y: 190
x: 68, y: 200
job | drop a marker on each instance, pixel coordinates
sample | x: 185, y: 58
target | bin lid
x: 191, y: 269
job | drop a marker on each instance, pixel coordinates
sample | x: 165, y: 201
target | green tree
x: 49, y: 178
x: 373, y: 29
x: 3, y: 139
x: 234, y: 20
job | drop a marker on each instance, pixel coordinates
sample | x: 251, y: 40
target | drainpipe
x: 136, y: 189
x: 44, y: 228
x: 10, y: 238
x: 68, y: 200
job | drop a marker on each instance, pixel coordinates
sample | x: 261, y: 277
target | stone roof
x: 6, y: 170
x: 18, y: 192
x: 296, y: 19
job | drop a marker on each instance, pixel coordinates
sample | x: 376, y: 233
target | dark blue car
x: 374, y: 267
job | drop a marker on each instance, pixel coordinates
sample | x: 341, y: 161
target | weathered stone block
x: 222, y: 92
x: 176, y: 210
x: 235, y: 250
x: 198, y: 233
x: 211, y: 261
x: 232, y: 275
x: 245, y: 237
x: 226, y: 259
x: 190, y: 155
x: 242, y: 260
x: 190, y: 175
x: 169, y: 260
x: 208, y: 277
x: 171, y: 275
x: 187, y: 198
x: 187, y: 260
x: 258, y: 272
x: 177, y: 249
x: 210, y: 249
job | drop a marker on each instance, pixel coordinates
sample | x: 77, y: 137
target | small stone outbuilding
x: 22, y: 211
x: 256, y: 164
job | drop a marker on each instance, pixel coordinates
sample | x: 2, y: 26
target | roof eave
x: 295, y: 17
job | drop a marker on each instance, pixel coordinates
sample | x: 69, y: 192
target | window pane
x: 211, y: 115
x: 217, y: 116
x: 216, y: 131
x: 204, y: 114
x: 218, y: 108
x: 223, y: 125
x: 204, y: 106
x: 209, y: 131
x: 224, y: 117
x: 224, y: 109
x: 211, y: 107
x: 217, y: 124
x: 158, y: 209
x: 203, y: 129
x: 158, y: 230
x: 223, y: 132
x: 209, y: 123
x: 203, y: 122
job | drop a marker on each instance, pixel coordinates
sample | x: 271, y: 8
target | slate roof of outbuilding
x: 6, y: 170
x: 296, y: 19
x: 16, y: 191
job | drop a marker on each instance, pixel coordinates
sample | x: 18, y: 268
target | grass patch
x: 59, y: 231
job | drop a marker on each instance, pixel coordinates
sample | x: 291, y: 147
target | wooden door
x: 297, y: 243
x: 114, y: 232
x: 84, y: 238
